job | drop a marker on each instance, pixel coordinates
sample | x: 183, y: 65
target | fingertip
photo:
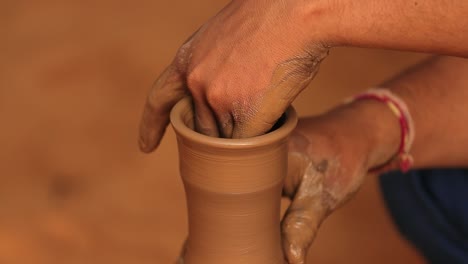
x: 149, y: 138
x: 299, y: 228
x: 145, y: 147
x: 294, y: 254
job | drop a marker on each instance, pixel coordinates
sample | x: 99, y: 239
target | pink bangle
x: 402, y: 158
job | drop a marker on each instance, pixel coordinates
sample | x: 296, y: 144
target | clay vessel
x: 233, y: 190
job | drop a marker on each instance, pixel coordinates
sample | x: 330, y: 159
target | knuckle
x: 183, y: 56
x: 215, y: 96
x: 195, y: 83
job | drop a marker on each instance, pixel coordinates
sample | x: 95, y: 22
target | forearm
x: 435, y: 26
x: 436, y: 93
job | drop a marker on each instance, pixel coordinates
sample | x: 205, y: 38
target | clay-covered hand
x: 243, y: 68
x: 329, y: 157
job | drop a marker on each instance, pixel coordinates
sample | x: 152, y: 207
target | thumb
x: 303, y: 217
x: 168, y: 89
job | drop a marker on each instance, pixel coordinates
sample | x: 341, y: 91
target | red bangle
x: 402, y: 158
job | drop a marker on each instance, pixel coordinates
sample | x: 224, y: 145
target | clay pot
x: 233, y: 190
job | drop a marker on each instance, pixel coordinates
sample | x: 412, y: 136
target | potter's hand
x: 329, y: 158
x: 243, y: 68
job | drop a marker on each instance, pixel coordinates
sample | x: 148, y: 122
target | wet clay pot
x: 233, y: 190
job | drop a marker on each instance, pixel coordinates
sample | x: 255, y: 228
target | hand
x: 329, y: 156
x: 243, y: 68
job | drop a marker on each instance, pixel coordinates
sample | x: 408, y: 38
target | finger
x: 288, y: 80
x: 257, y: 121
x: 260, y: 118
x: 296, y: 166
x: 303, y: 217
x: 168, y: 89
x: 225, y: 124
x: 298, y: 161
x: 299, y: 228
x: 205, y: 121
x: 180, y: 260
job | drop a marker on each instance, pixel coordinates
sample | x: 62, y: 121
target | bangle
x: 402, y: 159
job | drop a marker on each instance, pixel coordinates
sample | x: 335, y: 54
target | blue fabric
x: 430, y: 207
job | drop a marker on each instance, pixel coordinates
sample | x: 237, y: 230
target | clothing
x: 430, y: 208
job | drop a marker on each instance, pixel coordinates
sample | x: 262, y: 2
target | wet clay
x: 233, y: 191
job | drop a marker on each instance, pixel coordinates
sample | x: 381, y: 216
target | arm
x: 436, y: 93
x: 335, y: 151
x: 247, y: 64
x: 435, y: 26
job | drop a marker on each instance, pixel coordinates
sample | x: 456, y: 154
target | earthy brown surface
x: 233, y: 189
x: 75, y: 189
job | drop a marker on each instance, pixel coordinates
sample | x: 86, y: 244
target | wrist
x: 367, y: 130
x: 379, y: 131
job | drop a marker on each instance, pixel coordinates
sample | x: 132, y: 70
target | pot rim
x: 184, y: 107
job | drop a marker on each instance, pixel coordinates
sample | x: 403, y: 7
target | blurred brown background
x: 74, y: 188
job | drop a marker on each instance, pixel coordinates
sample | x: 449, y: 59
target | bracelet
x: 402, y: 158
